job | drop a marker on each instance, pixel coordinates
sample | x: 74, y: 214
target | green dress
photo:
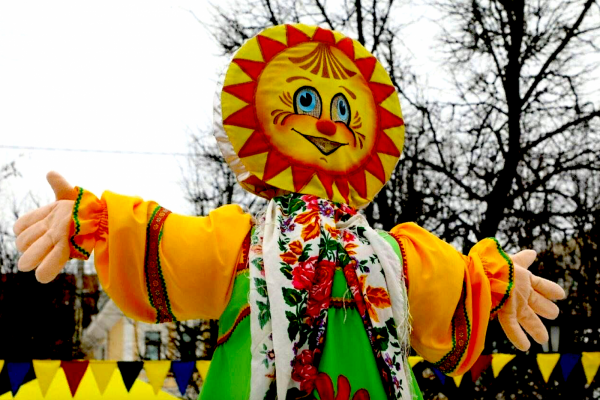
x: 347, y: 348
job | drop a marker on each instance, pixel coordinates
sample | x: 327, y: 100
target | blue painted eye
x: 307, y: 102
x: 340, y: 109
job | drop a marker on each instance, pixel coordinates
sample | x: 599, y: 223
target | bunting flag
x: 546, y: 362
x: 202, y: 367
x: 182, y: 370
x: 567, y: 363
x: 590, y: 362
x: 45, y: 370
x: 457, y: 380
x: 440, y: 375
x: 130, y: 371
x: 499, y: 361
x: 16, y: 374
x: 157, y: 371
x: 4, y: 381
x: 414, y: 360
x: 102, y: 371
x: 482, y: 363
x: 74, y: 371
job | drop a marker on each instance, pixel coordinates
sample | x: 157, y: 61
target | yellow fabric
x: 436, y: 276
x: 157, y: 371
x: 45, y: 370
x: 102, y: 371
x: 499, y: 361
x: 590, y: 362
x: 546, y: 363
x: 198, y: 255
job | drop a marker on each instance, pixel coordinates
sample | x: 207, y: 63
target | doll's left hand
x: 530, y: 297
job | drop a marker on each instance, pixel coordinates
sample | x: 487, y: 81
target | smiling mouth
x: 325, y: 146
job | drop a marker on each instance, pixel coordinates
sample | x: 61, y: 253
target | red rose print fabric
x: 294, y: 254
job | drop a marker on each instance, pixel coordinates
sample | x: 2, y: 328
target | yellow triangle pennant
x: 102, y: 371
x: 157, y: 371
x: 414, y: 360
x: 202, y: 367
x: 499, y: 361
x: 591, y: 362
x: 457, y: 380
x: 547, y: 362
x: 45, y: 371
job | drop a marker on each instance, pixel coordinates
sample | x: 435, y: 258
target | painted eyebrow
x: 294, y: 78
x: 349, y: 92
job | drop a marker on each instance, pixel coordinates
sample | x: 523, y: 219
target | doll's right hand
x: 43, y: 234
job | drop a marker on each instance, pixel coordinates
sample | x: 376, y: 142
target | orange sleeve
x: 451, y: 296
x: 155, y: 265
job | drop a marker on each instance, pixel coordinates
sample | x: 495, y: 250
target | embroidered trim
x: 511, y: 279
x: 242, y: 265
x: 80, y: 249
x: 404, y: 258
x: 244, y: 312
x: 339, y: 302
x: 461, y: 335
x: 155, y: 281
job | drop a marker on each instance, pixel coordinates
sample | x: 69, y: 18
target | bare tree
x: 8, y: 254
x: 209, y: 182
x: 521, y: 131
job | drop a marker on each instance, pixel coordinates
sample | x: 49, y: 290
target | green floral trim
x: 461, y: 329
x: 511, y: 279
x: 75, y: 217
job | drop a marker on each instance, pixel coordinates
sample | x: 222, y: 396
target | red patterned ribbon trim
x: 353, y: 284
x: 461, y: 334
x: 404, y: 258
x: 243, y: 262
x: 244, y: 312
x: 155, y: 282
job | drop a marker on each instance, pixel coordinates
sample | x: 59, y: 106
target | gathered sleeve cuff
x: 499, y: 270
x: 155, y: 265
x: 451, y: 296
x: 89, y: 224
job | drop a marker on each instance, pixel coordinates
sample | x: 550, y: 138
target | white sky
x: 112, y: 75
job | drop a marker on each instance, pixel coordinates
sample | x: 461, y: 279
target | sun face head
x: 307, y: 110
x: 313, y: 119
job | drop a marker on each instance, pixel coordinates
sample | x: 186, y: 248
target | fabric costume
x: 311, y: 301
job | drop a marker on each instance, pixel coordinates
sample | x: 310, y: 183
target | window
x: 153, y: 345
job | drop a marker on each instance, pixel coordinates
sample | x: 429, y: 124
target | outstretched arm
x: 157, y: 266
x: 452, y: 297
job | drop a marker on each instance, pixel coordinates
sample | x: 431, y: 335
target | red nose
x: 326, y: 127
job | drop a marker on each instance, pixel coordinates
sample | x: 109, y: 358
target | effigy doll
x: 311, y: 301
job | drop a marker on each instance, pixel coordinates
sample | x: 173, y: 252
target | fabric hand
x: 43, y: 234
x: 531, y: 297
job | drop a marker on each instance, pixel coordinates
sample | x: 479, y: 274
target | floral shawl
x: 294, y: 253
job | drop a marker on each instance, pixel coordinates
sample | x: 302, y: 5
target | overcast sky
x: 127, y: 76
x: 113, y: 75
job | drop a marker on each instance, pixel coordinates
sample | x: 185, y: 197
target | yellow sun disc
x: 307, y: 110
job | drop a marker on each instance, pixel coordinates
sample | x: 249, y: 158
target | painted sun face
x: 315, y: 120
x: 307, y: 110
